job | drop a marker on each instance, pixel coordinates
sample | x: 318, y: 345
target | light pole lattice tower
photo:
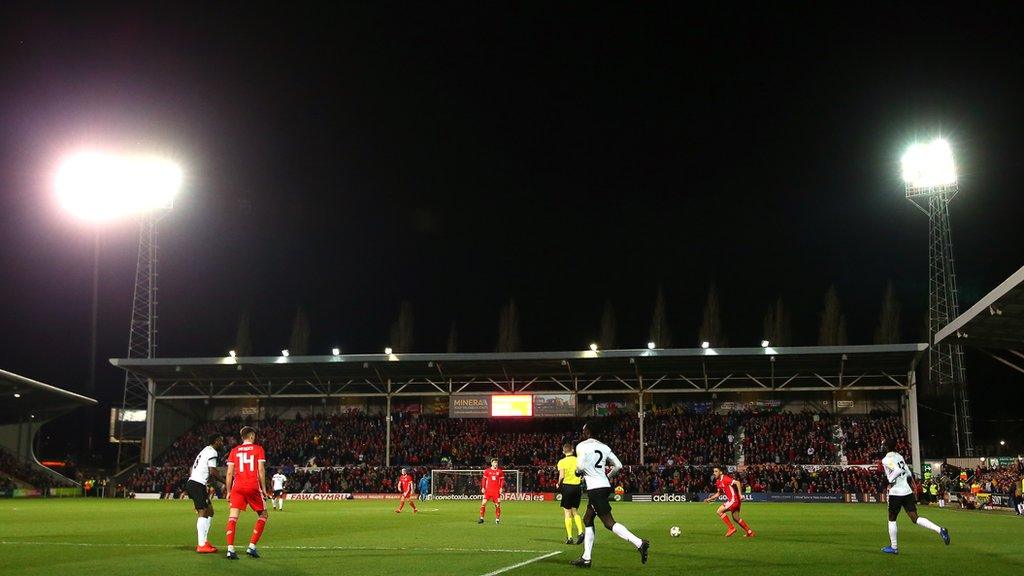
x: 135, y: 435
x: 931, y: 183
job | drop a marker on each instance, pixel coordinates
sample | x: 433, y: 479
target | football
x: 674, y: 531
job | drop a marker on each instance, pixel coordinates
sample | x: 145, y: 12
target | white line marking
x: 271, y: 547
x: 524, y: 563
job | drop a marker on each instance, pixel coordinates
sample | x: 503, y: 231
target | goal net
x: 465, y: 484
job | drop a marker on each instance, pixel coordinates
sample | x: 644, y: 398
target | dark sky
x: 347, y: 158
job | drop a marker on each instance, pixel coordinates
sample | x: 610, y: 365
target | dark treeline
x: 776, y: 327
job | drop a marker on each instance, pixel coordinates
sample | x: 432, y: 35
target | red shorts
x: 242, y: 496
x: 492, y: 496
x: 407, y: 494
x: 732, y: 506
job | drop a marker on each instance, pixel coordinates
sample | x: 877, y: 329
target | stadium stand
x: 25, y: 405
x: 347, y: 449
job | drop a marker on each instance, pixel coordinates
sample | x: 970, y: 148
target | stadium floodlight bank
x: 637, y: 377
x: 466, y: 484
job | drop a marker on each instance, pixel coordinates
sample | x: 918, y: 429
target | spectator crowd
x: 345, y: 452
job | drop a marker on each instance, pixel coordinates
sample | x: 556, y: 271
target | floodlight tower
x: 102, y: 187
x: 138, y: 394
x: 931, y: 182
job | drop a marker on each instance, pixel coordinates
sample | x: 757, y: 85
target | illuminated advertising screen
x: 511, y: 405
x: 470, y: 406
x: 554, y: 405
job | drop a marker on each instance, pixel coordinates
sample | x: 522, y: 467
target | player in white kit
x: 278, y: 481
x: 901, y: 495
x: 592, y: 457
x: 203, y: 468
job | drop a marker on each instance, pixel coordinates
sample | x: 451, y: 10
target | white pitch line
x: 524, y: 563
x: 272, y: 547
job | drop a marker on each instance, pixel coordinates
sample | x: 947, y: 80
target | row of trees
x: 776, y: 326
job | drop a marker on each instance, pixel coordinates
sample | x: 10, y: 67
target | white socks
x: 588, y: 541
x: 622, y: 532
x: 926, y: 523
x: 203, y: 529
x: 892, y: 535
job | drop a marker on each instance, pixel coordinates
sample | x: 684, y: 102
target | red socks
x: 402, y: 505
x: 413, y: 504
x: 257, y: 530
x: 727, y: 522
x: 744, y: 525
x: 497, y: 511
x: 483, y: 509
x: 231, y: 531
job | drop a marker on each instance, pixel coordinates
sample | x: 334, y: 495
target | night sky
x: 347, y: 158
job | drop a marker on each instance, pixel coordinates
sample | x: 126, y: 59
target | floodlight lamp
x: 336, y: 351
x: 705, y: 344
x: 388, y: 350
x: 232, y: 353
x: 97, y: 186
x: 651, y: 345
x: 16, y: 395
x: 593, y: 347
x: 1002, y: 442
x: 764, y: 343
x: 285, y: 353
x: 929, y: 165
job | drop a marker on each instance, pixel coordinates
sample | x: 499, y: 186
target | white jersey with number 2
x: 592, y: 457
x: 898, y: 474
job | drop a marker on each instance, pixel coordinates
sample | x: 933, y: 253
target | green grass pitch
x: 79, y: 537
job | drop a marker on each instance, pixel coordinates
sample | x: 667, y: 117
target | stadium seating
x: 349, y: 449
x: 19, y: 470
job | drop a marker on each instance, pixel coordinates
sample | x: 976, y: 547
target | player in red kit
x: 405, y: 489
x: 492, y: 486
x: 246, y: 482
x: 725, y: 484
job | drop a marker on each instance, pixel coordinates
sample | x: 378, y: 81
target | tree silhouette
x: 661, y: 334
x: 607, y: 340
x: 832, y: 331
x: 711, y: 322
x: 243, y: 336
x: 888, y: 329
x: 402, y: 330
x: 508, y: 328
x: 298, y: 344
x: 777, y: 325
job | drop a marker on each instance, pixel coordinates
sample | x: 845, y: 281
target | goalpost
x: 465, y: 484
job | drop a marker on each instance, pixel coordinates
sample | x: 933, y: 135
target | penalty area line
x: 523, y: 563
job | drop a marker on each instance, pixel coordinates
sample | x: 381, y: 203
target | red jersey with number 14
x: 246, y: 458
x: 405, y: 483
x: 725, y: 487
x: 494, y: 480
